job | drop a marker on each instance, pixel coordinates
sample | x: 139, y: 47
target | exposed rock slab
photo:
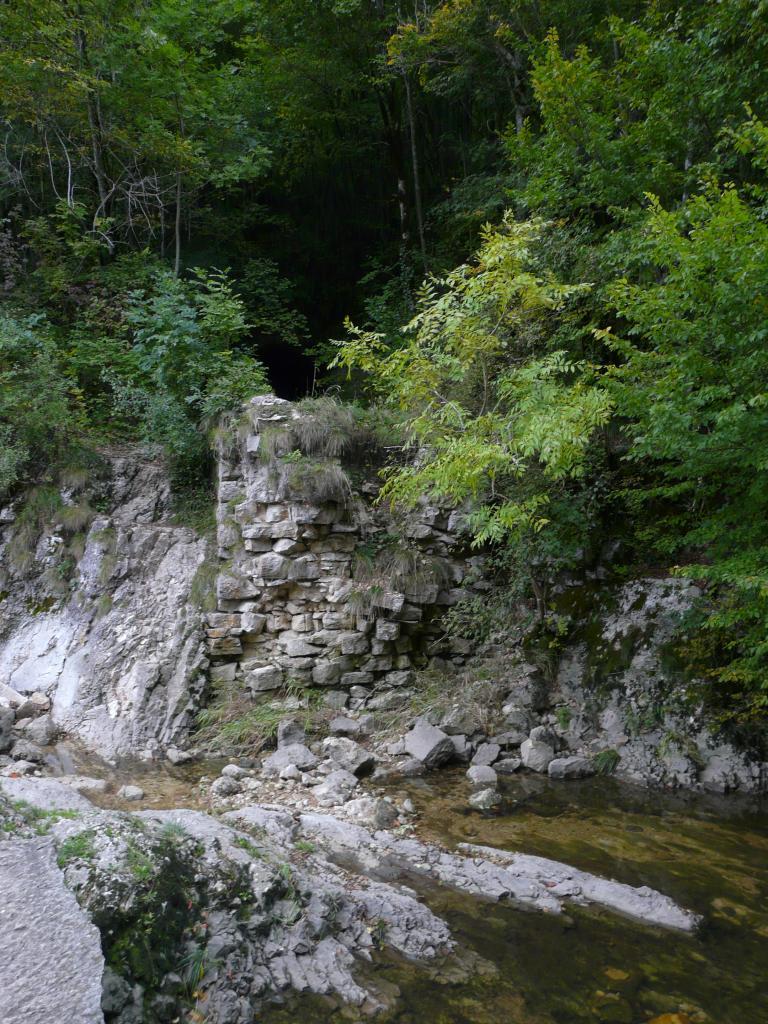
x: 52, y: 962
x: 122, y: 658
x: 566, y: 882
x: 535, y: 882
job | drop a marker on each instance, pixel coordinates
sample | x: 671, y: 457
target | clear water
x: 165, y: 785
x: 587, y: 966
x: 711, y: 855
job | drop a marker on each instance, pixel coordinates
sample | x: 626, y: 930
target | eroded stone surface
x: 121, y: 657
x: 51, y: 952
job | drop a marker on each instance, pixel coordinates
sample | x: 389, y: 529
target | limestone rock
x: 7, y: 718
x: 402, y: 678
x: 326, y: 673
x: 343, y: 726
x: 510, y: 738
x: 536, y: 755
x: 460, y: 721
x: 486, y: 753
x: 35, y: 704
x: 10, y: 698
x: 47, y: 794
x: 428, y: 745
x: 482, y: 775
x: 349, y: 755
x: 41, y: 730
x: 485, y: 799
x: 124, y: 681
x: 289, y: 731
x: 52, y: 966
x: 336, y: 789
x: 21, y: 767
x: 176, y: 756
x: 543, y: 734
x: 130, y: 793
x: 411, y: 768
x: 372, y: 812
x: 25, y: 750
x: 293, y: 753
x: 570, y: 768
x: 507, y: 765
x: 225, y: 786
x: 116, y: 993
x: 268, y: 677
x: 517, y: 719
x: 83, y: 783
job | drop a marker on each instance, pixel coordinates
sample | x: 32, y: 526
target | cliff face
x: 615, y: 693
x: 123, y: 650
x: 118, y: 650
x: 311, y: 584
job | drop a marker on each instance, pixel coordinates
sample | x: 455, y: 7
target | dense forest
x: 533, y: 232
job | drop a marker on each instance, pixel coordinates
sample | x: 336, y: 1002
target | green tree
x: 691, y: 386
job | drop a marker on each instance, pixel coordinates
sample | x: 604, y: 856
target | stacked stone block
x: 285, y: 590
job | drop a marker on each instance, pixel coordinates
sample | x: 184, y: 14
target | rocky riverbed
x: 325, y: 872
x: 262, y: 771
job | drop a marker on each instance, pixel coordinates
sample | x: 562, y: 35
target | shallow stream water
x: 709, y: 854
x: 588, y: 966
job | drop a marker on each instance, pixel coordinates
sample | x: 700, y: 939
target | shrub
x: 40, y: 414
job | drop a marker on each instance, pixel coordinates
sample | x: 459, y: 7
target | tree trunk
x: 96, y: 134
x: 177, y: 255
x: 415, y: 167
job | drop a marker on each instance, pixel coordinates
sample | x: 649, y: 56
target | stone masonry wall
x: 288, y: 607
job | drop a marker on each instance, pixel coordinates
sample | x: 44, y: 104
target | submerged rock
x: 83, y: 783
x: 485, y: 799
x: 279, y: 913
x: 534, y: 882
x: 130, y: 793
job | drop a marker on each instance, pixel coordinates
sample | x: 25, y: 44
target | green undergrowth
x: 79, y: 847
x: 388, y: 562
x: 40, y: 820
x: 477, y: 690
x: 234, y: 723
x: 141, y: 937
